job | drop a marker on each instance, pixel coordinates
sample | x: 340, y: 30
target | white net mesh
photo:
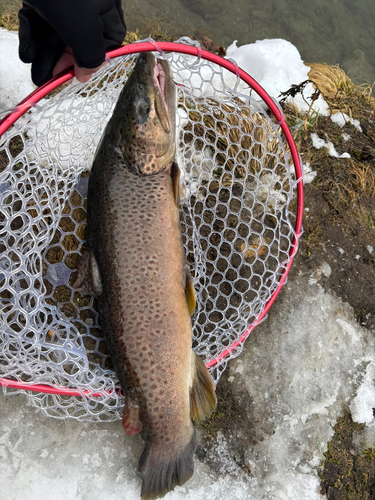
x: 235, y: 218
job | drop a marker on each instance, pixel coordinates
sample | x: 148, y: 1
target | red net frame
x: 149, y: 46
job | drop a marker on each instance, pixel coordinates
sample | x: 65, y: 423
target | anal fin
x: 202, y: 393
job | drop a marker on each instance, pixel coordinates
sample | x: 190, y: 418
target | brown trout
x: 136, y: 266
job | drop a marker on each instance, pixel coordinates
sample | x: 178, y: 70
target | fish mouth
x: 162, y: 82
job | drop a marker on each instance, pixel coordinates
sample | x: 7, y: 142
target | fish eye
x: 143, y: 108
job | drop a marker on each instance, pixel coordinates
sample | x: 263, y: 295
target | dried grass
x: 9, y: 15
x: 363, y: 178
x: 338, y: 89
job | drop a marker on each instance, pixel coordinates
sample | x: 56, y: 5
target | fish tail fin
x: 202, y: 394
x: 162, y: 475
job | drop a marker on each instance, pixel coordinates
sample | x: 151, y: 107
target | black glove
x: 88, y: 27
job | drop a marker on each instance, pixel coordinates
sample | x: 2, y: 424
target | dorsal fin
x: 202, y: 393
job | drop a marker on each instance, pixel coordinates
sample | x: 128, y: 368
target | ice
x: 364, y: 402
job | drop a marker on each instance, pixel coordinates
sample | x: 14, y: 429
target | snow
x: 309, y: 173
x: 298, y: 372
x: 15, y: 79
x: 319, y: 143
x: 302, y: 378
x: 341, y: 119
x: 277, y: 65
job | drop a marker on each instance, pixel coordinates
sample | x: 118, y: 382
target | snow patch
x: 276, y: 65
x: 319, y: 143
x: 341, y: 119
x: 15, y: 76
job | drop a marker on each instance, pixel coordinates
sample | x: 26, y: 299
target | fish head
x: 146, y: 119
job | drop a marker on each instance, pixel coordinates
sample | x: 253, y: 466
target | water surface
x: 330, y: 31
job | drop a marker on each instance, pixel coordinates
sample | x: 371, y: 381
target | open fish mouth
x: 160, y: 80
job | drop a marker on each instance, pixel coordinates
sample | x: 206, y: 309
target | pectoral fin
x: 175, y: 174
x: 88, y: 276
x: 131, y: 421
x: 202, y: 393
x: 189, y: 291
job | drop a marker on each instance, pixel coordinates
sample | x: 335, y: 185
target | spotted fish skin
x: 143, y: 309
x: 137, y: 268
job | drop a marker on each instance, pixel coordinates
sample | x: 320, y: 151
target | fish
x: 135, y: 264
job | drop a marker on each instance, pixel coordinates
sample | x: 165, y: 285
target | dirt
x: 233, y: 415
x: 347, y: 475
x: 339, y: 219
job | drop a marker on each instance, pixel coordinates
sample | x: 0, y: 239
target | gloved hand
x: 85, y: 29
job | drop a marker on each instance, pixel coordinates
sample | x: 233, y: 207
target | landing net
x: 240, y: 174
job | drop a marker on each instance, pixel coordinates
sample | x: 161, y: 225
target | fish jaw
x: 143, y: 125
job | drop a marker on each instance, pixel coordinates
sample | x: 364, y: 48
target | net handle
x: 194, y: 50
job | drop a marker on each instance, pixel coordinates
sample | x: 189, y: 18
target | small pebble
x: 341, y: 250
x: 370, y: 249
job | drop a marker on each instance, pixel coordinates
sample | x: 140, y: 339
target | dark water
x: 330, y: 31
